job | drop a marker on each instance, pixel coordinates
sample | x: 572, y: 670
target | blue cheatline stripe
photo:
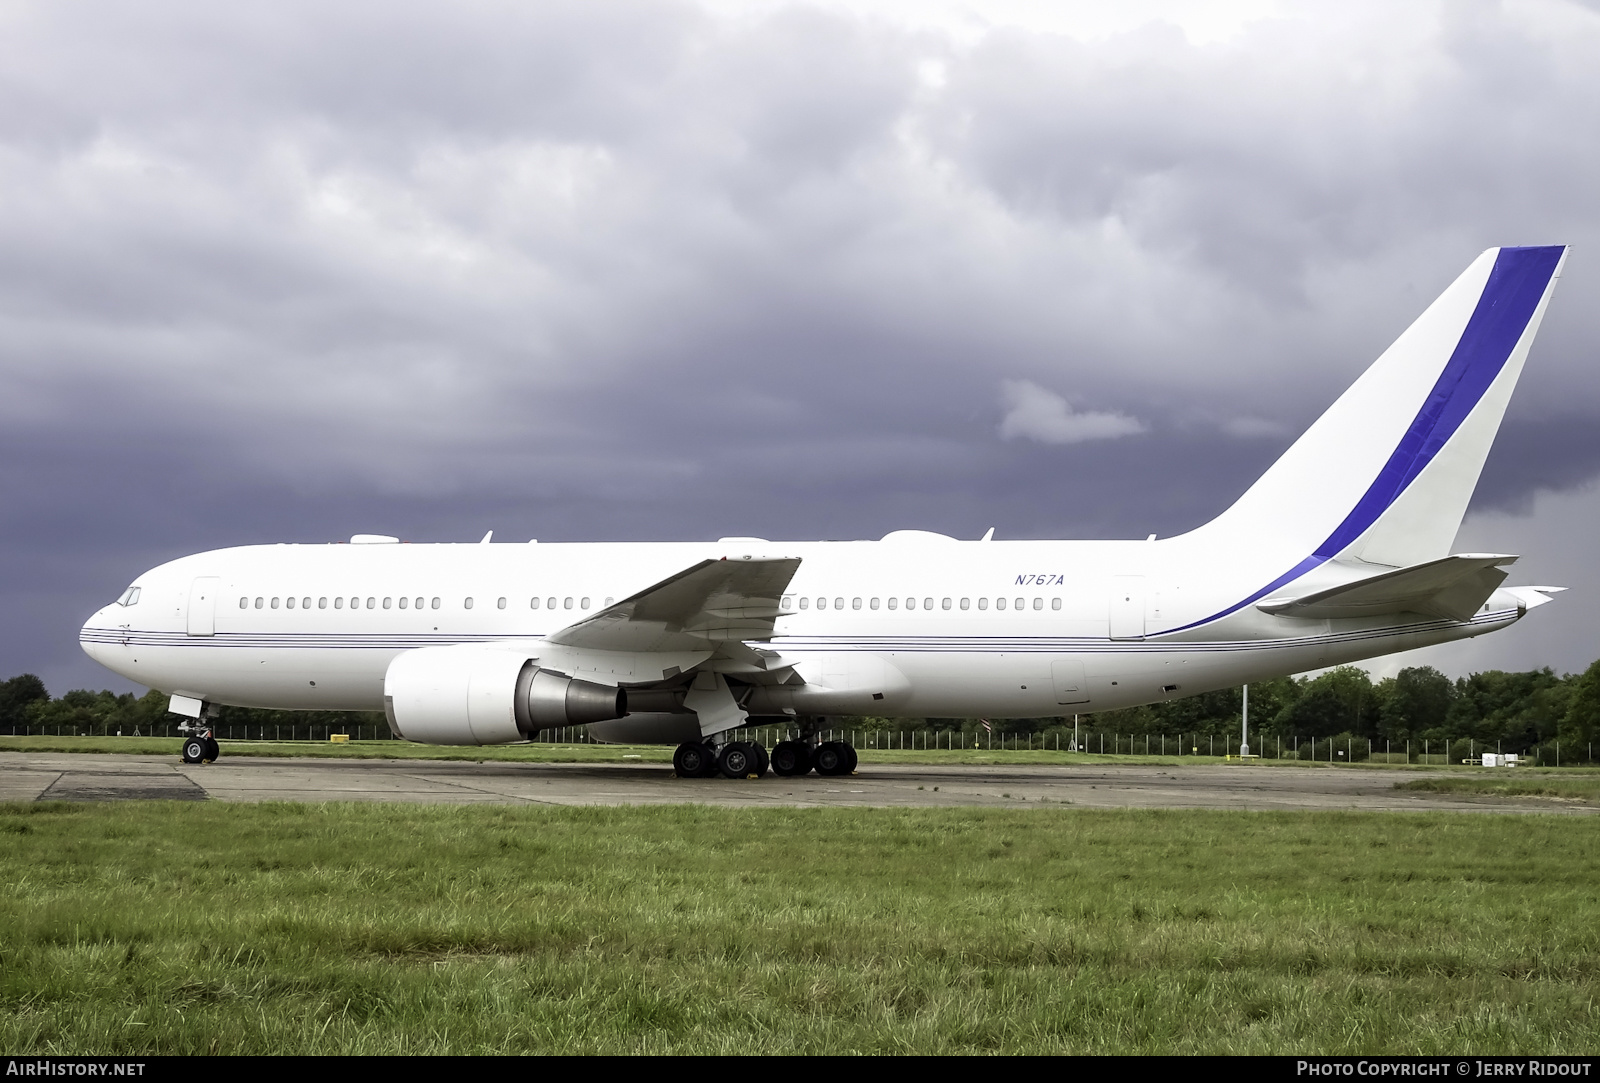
x: 1510, y: 297
x: 879, y: 643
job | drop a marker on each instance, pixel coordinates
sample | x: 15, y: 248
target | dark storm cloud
x: 627, y: 270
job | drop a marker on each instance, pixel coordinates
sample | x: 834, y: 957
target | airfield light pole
x: 1244, y: 723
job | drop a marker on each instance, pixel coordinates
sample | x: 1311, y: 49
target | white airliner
x: 1340, y: 552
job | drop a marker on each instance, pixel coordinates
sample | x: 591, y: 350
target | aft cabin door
x: 203, y: 605
x: 1127, y: 607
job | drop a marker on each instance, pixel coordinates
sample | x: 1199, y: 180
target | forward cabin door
x: 1127, y: 607
x: 203, y: 605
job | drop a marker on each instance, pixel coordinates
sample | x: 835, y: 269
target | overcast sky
x: 613, y: 270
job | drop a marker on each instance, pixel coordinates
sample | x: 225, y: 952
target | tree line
x: 1522, y: 712
x: 1494, y: 710
x: 26, y: 706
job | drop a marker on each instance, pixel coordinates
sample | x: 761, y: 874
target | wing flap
x: 1452, y: 587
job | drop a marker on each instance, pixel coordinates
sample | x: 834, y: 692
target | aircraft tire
x: 850, y: 757
x: 213, y: 750
x: 791, y: 759
x: 763, y: 760
x: 832, y: 758
x: 737, y: 760
x: 694, y: 760
x: 709, y: 770
x: 194, y: 750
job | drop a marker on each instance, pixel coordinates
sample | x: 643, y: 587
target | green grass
x: 164, y: 928
x: 1578, y: 785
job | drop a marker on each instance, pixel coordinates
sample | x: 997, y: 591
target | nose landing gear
x: 200, y: 747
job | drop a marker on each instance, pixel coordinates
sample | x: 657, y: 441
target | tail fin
x: 1385, y: 475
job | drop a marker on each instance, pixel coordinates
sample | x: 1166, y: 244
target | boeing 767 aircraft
x: 1340, y: 552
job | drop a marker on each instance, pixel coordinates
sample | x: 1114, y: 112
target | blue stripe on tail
x: 1517, y: 282
x: 1510, y: 297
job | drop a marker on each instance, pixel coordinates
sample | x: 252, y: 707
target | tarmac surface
x: 112, y: 777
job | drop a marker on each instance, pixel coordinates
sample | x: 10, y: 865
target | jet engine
x: 477, y: 695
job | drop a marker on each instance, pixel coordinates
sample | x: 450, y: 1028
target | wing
x: 712, y: 603
x: 1452, y: 587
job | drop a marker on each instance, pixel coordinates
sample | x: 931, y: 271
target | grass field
x: 163, y: 928
x: 1578, y: 785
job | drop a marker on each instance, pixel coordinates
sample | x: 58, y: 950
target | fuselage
x: 913, y: 625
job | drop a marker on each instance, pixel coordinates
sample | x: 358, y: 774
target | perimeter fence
x: 1340, y: 749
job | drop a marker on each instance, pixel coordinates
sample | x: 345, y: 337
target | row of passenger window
x: 402, y: 603
x: 339, y: 603
x: 789, y: 602
x: 927, y: 603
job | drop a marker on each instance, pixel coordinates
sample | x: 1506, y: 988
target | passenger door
x: 203, y: 605
x: 1127, y: 607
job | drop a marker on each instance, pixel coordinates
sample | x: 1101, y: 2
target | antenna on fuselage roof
x: 989, y: 536
x: 486, y: 538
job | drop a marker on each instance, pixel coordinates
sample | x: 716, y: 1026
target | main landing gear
x: 794, y: 758
x: 748, y: 759
x: 735, y: 759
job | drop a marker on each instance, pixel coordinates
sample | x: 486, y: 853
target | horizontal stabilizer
x: 1452, y: 587
x: 713, y: 602
x: 1533, y: 597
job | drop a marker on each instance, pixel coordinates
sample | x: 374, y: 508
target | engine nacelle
x: 475, y: 695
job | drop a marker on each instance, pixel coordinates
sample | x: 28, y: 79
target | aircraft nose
x: 92, y: 636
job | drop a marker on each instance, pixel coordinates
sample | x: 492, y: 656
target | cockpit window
x: 129, y: 597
